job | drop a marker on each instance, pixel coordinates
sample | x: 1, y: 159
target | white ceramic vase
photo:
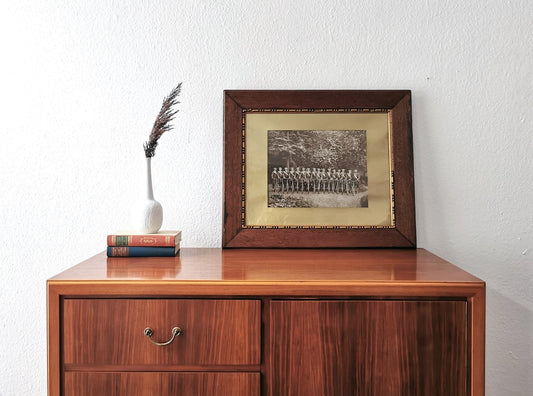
x: 147, y: 215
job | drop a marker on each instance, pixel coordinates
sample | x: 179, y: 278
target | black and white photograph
x: 317, y: 169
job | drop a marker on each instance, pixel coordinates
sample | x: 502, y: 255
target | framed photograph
x: 318, y: 169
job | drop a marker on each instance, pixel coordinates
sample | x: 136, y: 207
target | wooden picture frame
x: 369, y: 131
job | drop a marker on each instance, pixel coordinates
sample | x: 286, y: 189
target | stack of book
x: 160, y: 244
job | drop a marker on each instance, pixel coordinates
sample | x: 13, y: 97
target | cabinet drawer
x: 111, y: 332
x: 161, y: 384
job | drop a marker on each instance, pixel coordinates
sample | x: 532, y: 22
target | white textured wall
x: 81, y: 82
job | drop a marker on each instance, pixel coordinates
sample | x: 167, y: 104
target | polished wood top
x: 254, y: 266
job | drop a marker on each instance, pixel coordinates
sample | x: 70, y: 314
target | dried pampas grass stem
x: 162, y: 122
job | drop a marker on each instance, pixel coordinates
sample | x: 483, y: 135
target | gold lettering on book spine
x: 149, y: 241
x: 119, y: 251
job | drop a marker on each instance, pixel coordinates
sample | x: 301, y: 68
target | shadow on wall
x: 431, y: 219
x: 509, y: 345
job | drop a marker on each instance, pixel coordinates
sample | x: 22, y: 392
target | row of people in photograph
x: 315, y: 180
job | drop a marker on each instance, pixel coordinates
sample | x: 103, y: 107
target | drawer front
x: 111, y: 332
x: 161, y: 384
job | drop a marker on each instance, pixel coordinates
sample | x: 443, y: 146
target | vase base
x: 147, y: 217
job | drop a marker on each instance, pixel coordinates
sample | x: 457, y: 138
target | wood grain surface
x: 111, y: 332
x: 253, y: 266
x: 161, y: 384
x: 368, y: 348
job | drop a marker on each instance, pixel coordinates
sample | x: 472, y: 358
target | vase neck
x: 149, y: 190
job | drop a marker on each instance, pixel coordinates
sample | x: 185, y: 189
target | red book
x: 161, y: 239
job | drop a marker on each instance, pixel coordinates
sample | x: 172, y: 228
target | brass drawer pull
x: 148, y: 332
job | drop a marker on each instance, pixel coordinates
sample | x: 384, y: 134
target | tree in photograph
x: 287, y: 145
x: 327, y: 149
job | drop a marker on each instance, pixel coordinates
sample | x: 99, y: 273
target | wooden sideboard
x: 267, y: 322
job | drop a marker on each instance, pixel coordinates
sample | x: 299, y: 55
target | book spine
x: 140, y: 251
x: 141, y: 240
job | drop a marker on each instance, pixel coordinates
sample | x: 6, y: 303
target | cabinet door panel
x: 367, y: 348
x: 161, y: 384
x: 111, y: 332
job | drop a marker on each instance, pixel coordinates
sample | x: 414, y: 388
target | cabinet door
x: 375, y: 348
x: 161, y: 384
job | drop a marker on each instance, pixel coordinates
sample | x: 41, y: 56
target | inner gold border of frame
x: 255, y: 211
